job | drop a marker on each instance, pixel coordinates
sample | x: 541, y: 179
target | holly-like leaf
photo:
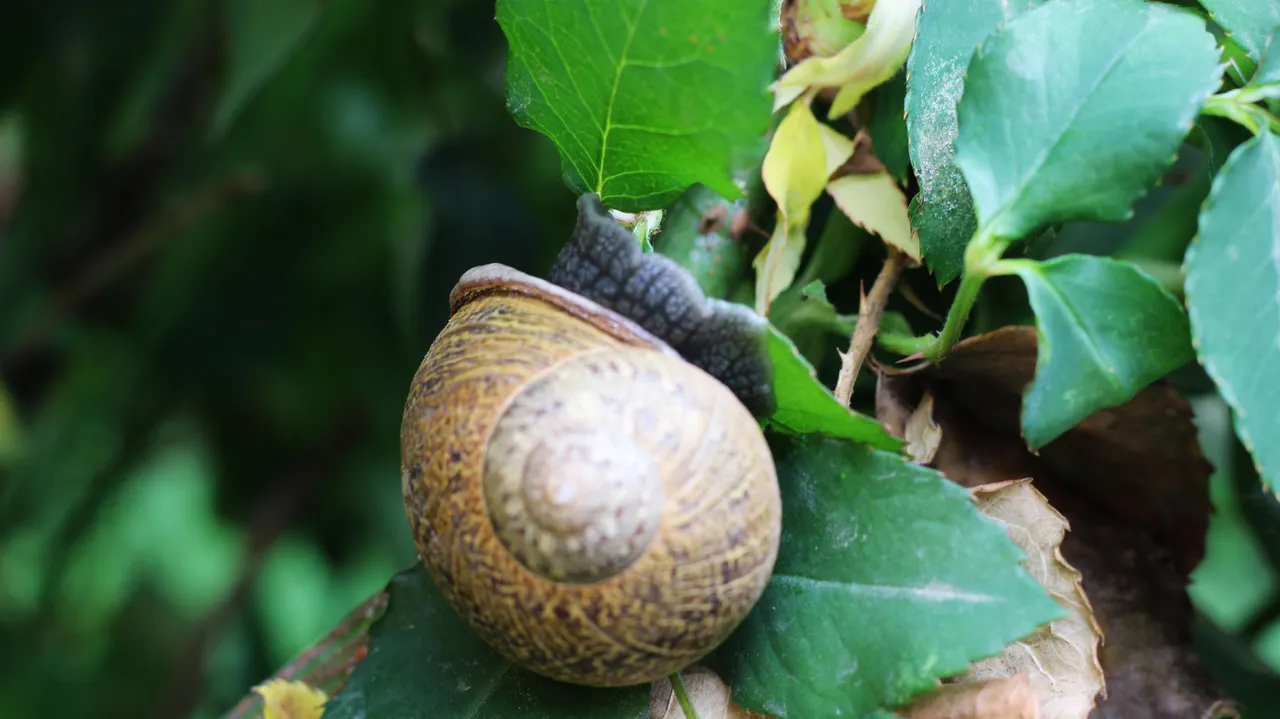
x: 805, y: 405
x: 946, y: 36
x: 1248, y: 22
x: 1233, y: 286
x: 425, y: 662
x: 643, y: 98
x: 887, y: 578
x: 1106, y: 330
x: 1051, y: 127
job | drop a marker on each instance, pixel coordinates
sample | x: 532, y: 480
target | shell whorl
x: 572, y: 486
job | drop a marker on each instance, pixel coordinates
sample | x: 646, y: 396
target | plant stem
x: 903, y: 344
x: 980, y: 256
x: 682, y: 696
x: 1238, y: 106
x: 864, y: 332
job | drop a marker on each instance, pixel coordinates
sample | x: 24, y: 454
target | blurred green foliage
x: 228, y: 230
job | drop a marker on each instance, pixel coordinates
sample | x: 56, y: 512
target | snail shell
x: 600, y: 510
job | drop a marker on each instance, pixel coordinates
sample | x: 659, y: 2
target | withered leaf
x: 1139, y: 461
x: 1007, y: 698
x: 709, y: 694
x: 1061, y: 658
x: 1132, y: 483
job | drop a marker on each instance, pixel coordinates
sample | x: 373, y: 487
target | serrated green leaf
x: 1268, y: 70
x: 947, y: 34
x: 1248, y: 22
x: 887, y: 126
x: 1051, y: 127
x: 643, y: 98
x: 887, y: 578
x: 1105, y: 329
x: 424, y: 662
x: 260, y: 36
x: 805, y: 405
x: 1232, y: 287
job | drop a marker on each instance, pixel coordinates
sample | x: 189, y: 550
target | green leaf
x: 1233, y: 294
x: 260, y: 36
x: 1248, y: 22
x: 1268, y: 69
x: 946, y: 35
x: 642, y: 97
x: 1052, y: 127
x: 805, y: 405
x: 887, y: 126
x: 1106, y: 330
x: 425, y: 662
x: 887, y: 578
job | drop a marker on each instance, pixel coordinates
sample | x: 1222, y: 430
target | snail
x: 582, y: 467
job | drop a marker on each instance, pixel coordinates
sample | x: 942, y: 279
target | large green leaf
x: 424, y: 662
x: 1105, y: 329
x: 642, y: 97
x: 805, y: 405
x: 1248, y: 22
x: 1074, y: 109
x: 887, y: 578
x: 1233, y: 294
x: 947, y: 33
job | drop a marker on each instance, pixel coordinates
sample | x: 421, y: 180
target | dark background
x: 228, y: 229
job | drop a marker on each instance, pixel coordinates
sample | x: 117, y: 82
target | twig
x: 151, y: 234
x: 682, y: 696
x: 864, y: 332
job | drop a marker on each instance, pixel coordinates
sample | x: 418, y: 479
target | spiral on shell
x: 599, y: 509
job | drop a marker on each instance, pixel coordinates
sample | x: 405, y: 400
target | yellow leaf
x: 794, y: 167
x: 876, y: 204
x: 867, y: 62
x: 794, y: 173
x: 778, y: 262
x: 839, y: 148
x: 291, y: 700
x: 1061, y: 658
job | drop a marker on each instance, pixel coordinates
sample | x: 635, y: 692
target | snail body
x: 597, y: 508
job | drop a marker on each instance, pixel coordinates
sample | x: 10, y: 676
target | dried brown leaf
x: 1131, y: 481
x: 1006, y: 698
x: 1061, y: 658
x: 709, y: 694
x: 1139, y: 461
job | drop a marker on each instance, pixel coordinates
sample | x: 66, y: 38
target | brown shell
x: 717, y: 540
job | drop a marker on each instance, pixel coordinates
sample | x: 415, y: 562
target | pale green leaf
x: 643, y: 98
x: 887, y: 579
x: 1233, y: 294
x: 942, y: 212
x: 868, y: 61
x: 876, y: 204
x: 1052, y: 127
x: 1105, y: 329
